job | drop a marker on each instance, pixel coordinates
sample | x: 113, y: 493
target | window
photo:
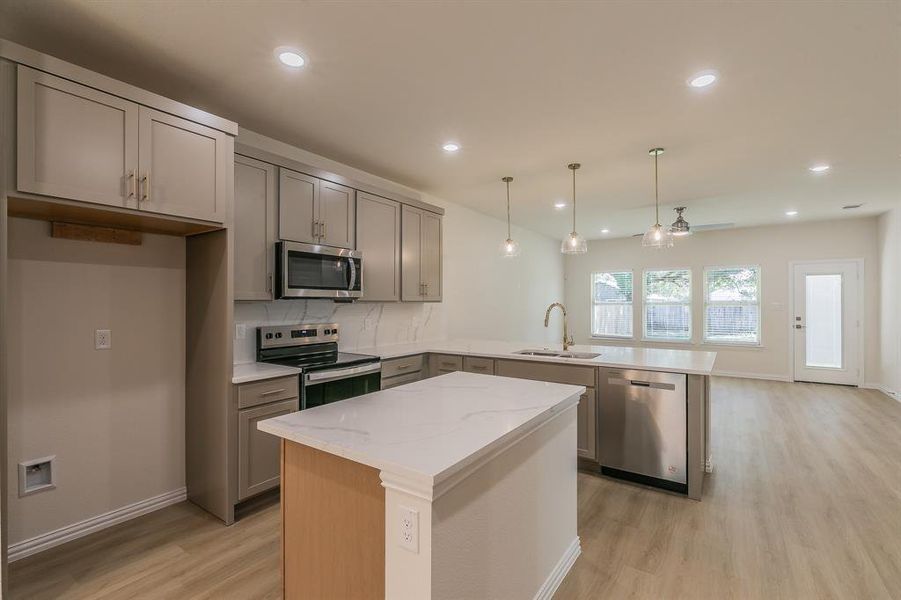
x: 611, y: 304
x: 732, y: 305
x: 667, y: 305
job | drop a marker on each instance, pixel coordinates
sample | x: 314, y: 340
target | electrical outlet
x: 240, y: 331
x: 103, y: 339
x: 408, y: 528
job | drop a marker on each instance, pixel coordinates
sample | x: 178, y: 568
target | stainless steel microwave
x: 313, y: 271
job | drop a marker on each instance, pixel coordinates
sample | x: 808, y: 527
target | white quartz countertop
x: 693, y: 362
x: 429, y: 430
x: 246, y: 372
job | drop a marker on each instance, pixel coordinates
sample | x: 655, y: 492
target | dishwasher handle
x: 639, y: 383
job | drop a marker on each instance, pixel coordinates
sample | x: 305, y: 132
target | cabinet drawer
x: 473, y: 364
x: 391, y: 382
x: 268, y: 390
x: 444, y: 363
x: 401, y: 366
x: 529, y: 369
x: 258, y: 451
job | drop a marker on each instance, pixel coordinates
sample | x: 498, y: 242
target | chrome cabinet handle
x: 145, y: 183
x: 799, y: 327
x: 270, y: 392
x: 133, y: 180
x: 315, y: 229
x: 321, y: 230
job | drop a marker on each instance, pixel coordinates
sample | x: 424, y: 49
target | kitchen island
x: 458, y: 486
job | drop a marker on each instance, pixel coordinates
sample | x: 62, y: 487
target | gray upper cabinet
x: 378, y: 237
x: 421, y: 255
x: 336, y: 215
x: 183, y: 167
x: 78, y: 143
x: 298, y: 197
x: 254, y: 228
x: 75, y: 142
x: 315, y: 211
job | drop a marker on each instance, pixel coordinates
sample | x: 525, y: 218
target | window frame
x: 644, y: 303
x: 708, y: 342
x: 591, y: 304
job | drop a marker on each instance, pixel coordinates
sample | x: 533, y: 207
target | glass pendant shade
x: 510, y: 248
x: 657, y: 237
x: 574, y: 244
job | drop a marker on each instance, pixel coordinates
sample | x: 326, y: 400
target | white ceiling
x: 526, y: 88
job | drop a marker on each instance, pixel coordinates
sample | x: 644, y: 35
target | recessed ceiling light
x: 819, y: 168
x: 791, y: 213
x: 451, y: 147
x: 290, y: 57
x: 559, y: 204
x: 605, y: 231
x: 702, y: 79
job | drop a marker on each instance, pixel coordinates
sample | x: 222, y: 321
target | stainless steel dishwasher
x: 643, y: 426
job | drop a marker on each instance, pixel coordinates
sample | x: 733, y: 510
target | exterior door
x: 75, y: 142
x: 826, y: 322
x: 184, y: 167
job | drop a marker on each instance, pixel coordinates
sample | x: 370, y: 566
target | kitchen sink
x: 538, y: 352
x: 556, y: 354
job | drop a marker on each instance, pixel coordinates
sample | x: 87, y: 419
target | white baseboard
x: 894, y: 395
x: 742, y: 375
x: 553, y: 581
x: 82, y: 528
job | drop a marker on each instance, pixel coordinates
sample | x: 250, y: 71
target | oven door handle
x: 335, y: 374
x: 353, y: 273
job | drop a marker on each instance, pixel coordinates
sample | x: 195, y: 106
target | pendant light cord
x: 656, y: 191
x: 574, y: 200
x: 508, y: 210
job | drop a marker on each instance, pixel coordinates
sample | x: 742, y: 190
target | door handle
x: 315, y: 229
x: 133, y: 183
x: 321, y: 230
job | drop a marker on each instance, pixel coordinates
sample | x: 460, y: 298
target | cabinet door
x: 336, y: 215
x: 587, y: 425
x: 255, y: 223
x: 258, y: 452
x: 431, y: 256
x: 298, y: 213
x: 378, y: 238
x: 75, y: 142
x: 184, y: 167
x: 411, y: 254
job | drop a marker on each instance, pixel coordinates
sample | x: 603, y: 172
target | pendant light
x: 657, y: 236
x: 510, y: 248
x: 574, y: 243
x: 680, y: 227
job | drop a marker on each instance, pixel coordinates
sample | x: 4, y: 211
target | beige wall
x: 113, y: 418
x: 889, y: 241
x: 770, y: 247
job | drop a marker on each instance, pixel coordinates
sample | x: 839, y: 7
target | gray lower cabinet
x: 258, y: 452
x: 474, y: 364
x: 255, y: 228
x: 439, y: 364
x: 378, y: 237
x: 407, y: 369
x: 587, y: 445
x: 421, y: 255
x: 258, y: 469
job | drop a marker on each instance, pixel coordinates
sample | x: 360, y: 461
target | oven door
x: 311, y: 271
x: 325, y: 387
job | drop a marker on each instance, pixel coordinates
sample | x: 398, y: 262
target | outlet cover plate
x: 408, y: 528
x: 103, y: 339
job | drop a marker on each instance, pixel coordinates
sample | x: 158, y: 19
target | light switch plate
x: 103, y: 339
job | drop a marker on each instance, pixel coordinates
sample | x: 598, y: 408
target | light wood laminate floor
x: 805, y: 503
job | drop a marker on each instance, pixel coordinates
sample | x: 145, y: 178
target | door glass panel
x: 824, y: 321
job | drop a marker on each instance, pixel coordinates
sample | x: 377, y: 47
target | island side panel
x: 697, y: 434
x: 333, y: 526
x: 509, y: 530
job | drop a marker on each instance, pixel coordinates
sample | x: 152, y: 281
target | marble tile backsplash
x: 361, y: 324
